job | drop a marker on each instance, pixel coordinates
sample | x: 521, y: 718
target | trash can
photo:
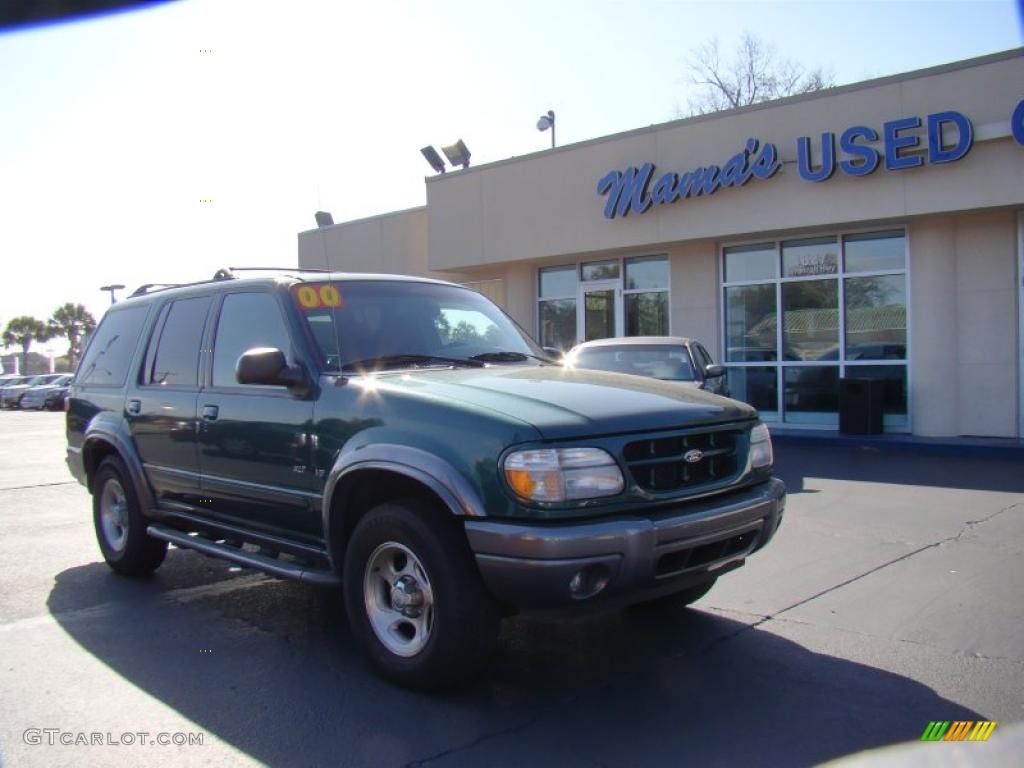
x: 860, y: 406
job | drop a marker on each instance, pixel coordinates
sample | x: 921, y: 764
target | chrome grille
x: 658, y: 464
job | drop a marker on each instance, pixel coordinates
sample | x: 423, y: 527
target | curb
x: 1001, y: 448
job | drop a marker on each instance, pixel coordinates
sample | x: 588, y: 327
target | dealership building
x: 874, y: 230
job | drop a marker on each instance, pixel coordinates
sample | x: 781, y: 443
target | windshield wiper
x: 408, y: 361
x: 508, y: 357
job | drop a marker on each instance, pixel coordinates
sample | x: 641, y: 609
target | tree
x: 22, y: 331
x: 74, y: 322
x: 754, y: 74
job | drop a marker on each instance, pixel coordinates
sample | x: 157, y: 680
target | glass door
x: 599, y: 310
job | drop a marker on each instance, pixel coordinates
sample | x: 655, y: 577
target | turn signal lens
x: 563, y: 474
x: 760, y: 447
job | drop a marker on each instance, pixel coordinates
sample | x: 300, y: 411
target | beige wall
x: 964, y: 366
x: 546, y: 204
x: 694, y: 292
x: 393, y: 243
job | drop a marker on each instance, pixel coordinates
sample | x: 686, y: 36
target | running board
x: 323, y: 578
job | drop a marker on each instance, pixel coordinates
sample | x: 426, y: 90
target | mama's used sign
x: 950, y: 137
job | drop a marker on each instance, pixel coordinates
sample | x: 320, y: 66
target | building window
x: 557, y: 306
x: 599, y: 270
x: 645, y: 295
x: 611, y: 297
x: 843, y: 304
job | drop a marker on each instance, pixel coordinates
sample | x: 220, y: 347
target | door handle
x: 134, y: 407
x: 210, y: 412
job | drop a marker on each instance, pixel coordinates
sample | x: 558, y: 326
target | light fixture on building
x: 457, y: 153
x: 111, y: 289
x: 433, y: 158
x: 547, y: 121
x: 323, y: 219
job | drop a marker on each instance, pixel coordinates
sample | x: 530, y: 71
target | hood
x: 566, y: 403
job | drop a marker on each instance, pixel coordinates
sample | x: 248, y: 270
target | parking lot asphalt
x: 892, y: 596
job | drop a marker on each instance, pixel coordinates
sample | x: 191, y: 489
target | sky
x: 160, y: 144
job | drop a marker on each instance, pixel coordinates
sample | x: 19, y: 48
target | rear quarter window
x: 110, y: 349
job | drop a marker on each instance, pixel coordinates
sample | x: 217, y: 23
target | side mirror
x: 714, y: 371
x: 267, y: 365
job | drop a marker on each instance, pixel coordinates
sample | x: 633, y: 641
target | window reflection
x: 750, y: 323
x: 756, y: 385
x: 874, y: 251
x: 876, y: 317
x: 810, y: 320
x: 558, y: 323
x: 812, y: 393
x: 751, y: 262
x: 810, y: 257
x: 646, y: 314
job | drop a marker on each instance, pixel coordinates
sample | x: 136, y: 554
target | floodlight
x: 433, y: 158
x: 457, y: 153
x: 547, y: 121
x: 323, y: 219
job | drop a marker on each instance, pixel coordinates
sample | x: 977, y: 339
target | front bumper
x: 530, y: 567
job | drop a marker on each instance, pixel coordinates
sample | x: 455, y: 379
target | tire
x: 414, y: 597
x: 119, y: 523
x: 677, y: 600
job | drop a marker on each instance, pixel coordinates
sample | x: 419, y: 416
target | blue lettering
x: 736, y: 172
x: 702, y: 181
x: 965, y: 137
x: 626, y: 190
x: 894, y: 143
x: 767, y: 162
x: 828, y: 158
x: 665, y: 189
x: 867, y: 155
x: 1017, y: 123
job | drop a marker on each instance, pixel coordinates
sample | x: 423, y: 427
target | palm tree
x: 21, y: 332
x: 74, y: 322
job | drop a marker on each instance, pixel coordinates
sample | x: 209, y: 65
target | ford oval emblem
x: 693, y: 455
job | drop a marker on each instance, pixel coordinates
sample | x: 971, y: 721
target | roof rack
x: 224, y: 273
x: 147, y: 288
x: 278, y: 269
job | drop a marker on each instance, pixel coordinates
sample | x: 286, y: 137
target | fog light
x: 588, y: 581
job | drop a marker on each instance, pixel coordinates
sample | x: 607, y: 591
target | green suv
x: 405, y: 438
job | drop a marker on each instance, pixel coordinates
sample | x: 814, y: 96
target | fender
x: 437, y: 474
x: 111, y: 428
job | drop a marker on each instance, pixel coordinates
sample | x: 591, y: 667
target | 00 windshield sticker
x: 319, y: 296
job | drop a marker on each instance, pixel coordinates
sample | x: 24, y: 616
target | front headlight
x: 563, y: 474
x: 760, y: 447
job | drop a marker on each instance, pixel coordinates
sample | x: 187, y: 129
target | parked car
x: 11, y: 395
x: 669, y: 358
x: 49, y: 397
x: 404, y: 438
x: 10, y: 380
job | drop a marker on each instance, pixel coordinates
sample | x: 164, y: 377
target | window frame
x: 145, y: 332
x: 621, y: 289
x: 893, y: 423
x: 210, y: 339
x: 153, y: 345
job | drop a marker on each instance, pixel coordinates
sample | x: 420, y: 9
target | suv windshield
x: 659, y: 361
x: 378, y: 324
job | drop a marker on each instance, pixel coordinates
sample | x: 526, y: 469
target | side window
x: 247, y: 320
x: 110, y: 349
x: 176, y: 362
x: 705, y: 358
